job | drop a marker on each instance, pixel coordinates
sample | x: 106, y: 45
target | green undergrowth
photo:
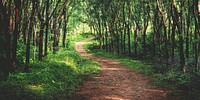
x: 57, y: 77
x: 143, y: 67
x: 187, y: 84
x: 74, y: 38
x: 139, y: 66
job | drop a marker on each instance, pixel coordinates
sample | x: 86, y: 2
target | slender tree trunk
x: 197, y: 31
x: 135, y: 40
x: 15, y: 34
x: 144, y: 38
x: 35, y: 40
x: 47, y: 29
x: 154, y: 42
x: 59, y: 32
x: 25, y: 21
x: 55, y: 46
x: 100, y: 34
x: 124, y: 25
x: 112, y: 36
x: 181, y: 42
x: 117, y: 38
x: 173, y: 35
x: 41, y: 40
x: 188, y: 30
x: 154, y: 33
x: 146, y: 24
x: 106, y: 38
x: 26, y: 68
x: 65, y: 28
x: 166, y: 45
x: 173, y: 41
x: 169, y: 29
x: 128, y: 28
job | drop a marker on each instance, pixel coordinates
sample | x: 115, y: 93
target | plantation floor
x: 117, y: 82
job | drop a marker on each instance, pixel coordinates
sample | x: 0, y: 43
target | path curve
x: 116, y: 82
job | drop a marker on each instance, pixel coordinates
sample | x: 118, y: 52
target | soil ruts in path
x: 116, y: 82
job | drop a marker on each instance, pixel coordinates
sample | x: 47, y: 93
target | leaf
x: 3, y: 2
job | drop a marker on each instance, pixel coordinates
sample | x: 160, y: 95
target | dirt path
x: 116, y: 82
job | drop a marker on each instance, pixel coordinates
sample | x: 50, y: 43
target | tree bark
x: 47, y: 29
x: 15, y: 34
x: 26, y: 68
x: 65, y: 28
x: 8, y: 34
x: 128, y: 28
x: 124, y: 25
x: 177, y: 20
x: 41, y: 40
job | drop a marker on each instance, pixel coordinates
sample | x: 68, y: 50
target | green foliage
x: 173, y: 79
x: 137, y: 65
x: 21, y: 53
x: 58, y: 76
x: 74, y: 38
x: 188, y: 83
x: 194, y: 85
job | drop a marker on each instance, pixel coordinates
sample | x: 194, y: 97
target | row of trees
x: 36, y: 24
x: 159, y: 28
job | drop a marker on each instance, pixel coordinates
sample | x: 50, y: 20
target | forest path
x: 116, y: 82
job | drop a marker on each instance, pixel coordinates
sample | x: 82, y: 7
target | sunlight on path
x: 116, y: 82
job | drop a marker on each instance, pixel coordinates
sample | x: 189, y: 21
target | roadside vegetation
x: 58, y: 76
x: 183, y: 84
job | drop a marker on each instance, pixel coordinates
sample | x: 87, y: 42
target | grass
x: 171, y: 80
x: 58, y: 76
x: 137, y: 65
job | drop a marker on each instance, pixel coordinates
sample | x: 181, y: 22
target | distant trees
x: 157, y: 28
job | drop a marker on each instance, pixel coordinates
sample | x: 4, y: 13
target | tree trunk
x: 124, y: 25
x: 181, y: 41
x: 65, y: 28
x: 55, y: 41
x: 135, y: 40
x: 117, y: 38
x: 197, y: 32
x: 173, y: 41
x: 106, y: 38
x: 100, y: 34
x: 47, y: 28
x: 25, y: 21
x: 15, y: 35
x: 26, y: 68
x: 8, y: 34
x: 188, y: 30
x: 128, y: 28
x: 144, y: 38
x: 41, y: 40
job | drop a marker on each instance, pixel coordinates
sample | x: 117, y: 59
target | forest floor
x: 117, y: 82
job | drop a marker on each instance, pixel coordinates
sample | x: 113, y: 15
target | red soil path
x: 117, y: 82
